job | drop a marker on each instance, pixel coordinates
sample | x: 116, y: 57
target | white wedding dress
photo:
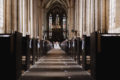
x: 56, y: 46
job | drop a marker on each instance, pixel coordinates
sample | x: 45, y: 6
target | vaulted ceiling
x: 49, y: 3
x: 61, y: 5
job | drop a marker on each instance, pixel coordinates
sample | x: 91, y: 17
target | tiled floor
x: 56, y: 66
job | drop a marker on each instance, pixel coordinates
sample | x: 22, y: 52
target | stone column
x: 102, y: 16
x: 42, y: 22
x: 71, y: 17
x: 19, y: 24
x: 4, y: 17
x: 14, y: 17
x: 88, y: 17
x: 80, y: 17
x: 107, y: 14
x: 8, y: 16
x: 77, y: 17
x: 25, y: 17
x: 92, y: 16
x: 38, y: 16
x: 21, y: 16
x: 68, y: 22
x: 34, y: 19
x: 40, y: 19
x: 75, y: 24
x: 96, y: 15
x: 31, y: 18
x: 84, y: 16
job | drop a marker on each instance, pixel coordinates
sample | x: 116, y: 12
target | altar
x: 57, y: 30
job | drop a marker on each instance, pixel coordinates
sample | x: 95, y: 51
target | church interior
x: 59, y: 39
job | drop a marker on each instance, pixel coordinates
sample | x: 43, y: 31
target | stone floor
x: 56, y: 66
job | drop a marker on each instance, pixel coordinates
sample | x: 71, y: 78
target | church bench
x: 70, y: 47
x: 47, y: 46
x: 65, y: 46
x: 104, y: 54
x: 44, y: 47
x: 25, y: 53
x: 36, y: 50
x: 86, y: 52
x: 78, y: 49
x: 41, y: 47
x: 33, y: 50
x: 73, y: 48
x: 10, y: 47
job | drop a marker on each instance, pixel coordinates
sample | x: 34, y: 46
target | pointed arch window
x: 64, y: 22
x: 50, y: 22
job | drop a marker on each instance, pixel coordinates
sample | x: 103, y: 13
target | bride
x: 56, y: 45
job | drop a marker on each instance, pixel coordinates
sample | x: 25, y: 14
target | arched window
x: 64, y: 22
x: 1, y: 15
x: 50, y: 26
x: 50, y: 22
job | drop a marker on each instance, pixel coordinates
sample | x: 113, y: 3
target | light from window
x: 64, y: 22
x: 50, y: 22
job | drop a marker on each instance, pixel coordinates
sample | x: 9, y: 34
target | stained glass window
x: 64, y: 22
x: 50, y: 22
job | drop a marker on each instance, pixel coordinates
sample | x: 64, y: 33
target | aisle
x: 56, y: 66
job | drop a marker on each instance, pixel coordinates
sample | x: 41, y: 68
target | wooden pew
x: 64, y: 45
x: 67, y: 47
x: 104, y: 55
x: 73, y: 48
x: 38, y: 49
x: 45, y: 46
x: 49, y: 45
x: 41, y: 48
x: 18, y: 52
x: 86, y: 52
x: 33, y: 50
x: 10, y: 48
x: 26, y: 52
x: 79, y: 49
x: 73, y: 45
